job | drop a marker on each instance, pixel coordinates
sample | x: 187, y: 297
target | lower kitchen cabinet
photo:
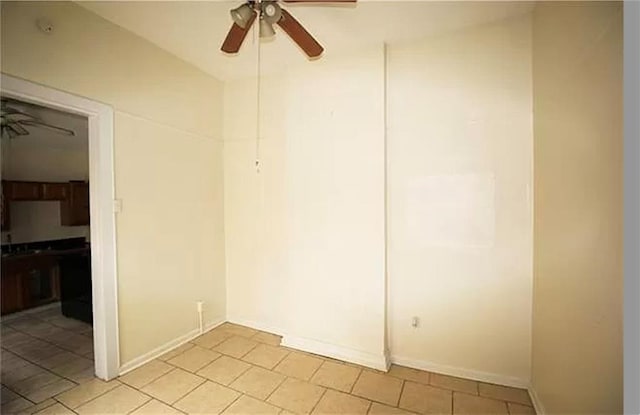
x: 5, y: 210
x: 12, y: 292
x: 29, y: 282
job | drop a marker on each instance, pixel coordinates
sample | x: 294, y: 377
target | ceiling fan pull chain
x: 258, y: 107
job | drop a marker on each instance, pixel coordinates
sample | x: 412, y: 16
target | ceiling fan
x: 14, y: 122
x: 269, y: 13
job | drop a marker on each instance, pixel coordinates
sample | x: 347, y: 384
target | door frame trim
x: 102, y: 220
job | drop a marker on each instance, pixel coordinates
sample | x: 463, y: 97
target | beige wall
x: 577, y: 303
x: 168, y: 162
x: 305, y: 237
x: 459, y: 202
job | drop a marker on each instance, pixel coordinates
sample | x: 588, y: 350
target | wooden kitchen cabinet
x: 29, y: 281
x: 23, y: 190
x: 74, y: 210
x: 54, y: 191
x: 5, y: 210
x: 12, y: 292
x: 73, y: 197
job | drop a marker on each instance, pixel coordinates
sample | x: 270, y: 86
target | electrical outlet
x: 415, y: 322
x: 199, y: 306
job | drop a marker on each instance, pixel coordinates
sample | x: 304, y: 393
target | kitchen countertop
x: 44, y: 252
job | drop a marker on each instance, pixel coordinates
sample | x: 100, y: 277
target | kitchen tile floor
x: 231, y: 370
x: 44, y: 354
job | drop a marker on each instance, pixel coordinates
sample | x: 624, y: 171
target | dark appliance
x: 75, y: 286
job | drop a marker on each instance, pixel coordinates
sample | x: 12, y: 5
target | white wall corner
x: 170, y: 345
x: 372, y: 360
x: 535, y: 399
x: 255, y: 325
x: 487, y: 377
x: 387, y: 359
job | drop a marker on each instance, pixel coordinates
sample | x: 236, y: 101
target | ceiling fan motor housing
x: 268, y: 14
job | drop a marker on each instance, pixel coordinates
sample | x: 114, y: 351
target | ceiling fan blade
x: 299, y: 35
x: 48, y: 127
x: 20, y: 130
x: 319, y: 1
x: 6, y: 110
x: 9, y: 132
x: 236, y: 36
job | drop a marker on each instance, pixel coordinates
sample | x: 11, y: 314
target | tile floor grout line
x: 355, y: 382
x: 19, y: 395
x: 48, y: 341
x: 141, y: 405
x: 250, y: 366
x: 29, y: 377
x: 318, y: 401
x: 277, y: 387
x: 452, y: 401
x: 234, y: 379
x: 229, y: 385
x: 92, y: 399
x: 45, y: 322
x: 369, y: 407
x: 315, y: 371
x: 234, y: 401
x: 58, y: 402
x: 149, y: 382
x: 45, y: 369
x: 258, y: 399
x: 397, y: 405
x: 493, y: 399
x: 45, y: 407
x: 404, y: 382
x: 188, y: 392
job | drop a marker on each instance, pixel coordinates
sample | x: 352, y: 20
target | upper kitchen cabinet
x: 17, y: 190
x: 54, y: 191
x: 74, y: 210
x: 73, y: 197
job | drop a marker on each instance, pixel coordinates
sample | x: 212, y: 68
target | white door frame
x: 101, y: 195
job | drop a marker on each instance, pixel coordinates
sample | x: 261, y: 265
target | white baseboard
x: 375, y: 361
x: 320, y: 348
x: 159, y: 351
x: 461, y: 372
x: 387, y: 360
x: 384, y: 360
x: 537, y: 403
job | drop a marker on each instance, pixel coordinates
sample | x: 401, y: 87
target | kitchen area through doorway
x: 47, y: 318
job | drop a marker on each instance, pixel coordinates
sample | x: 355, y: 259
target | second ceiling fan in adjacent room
x: 270, y: 13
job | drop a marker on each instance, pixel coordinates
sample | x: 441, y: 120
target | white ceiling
x: 194, y: 30
x: 44, y: 138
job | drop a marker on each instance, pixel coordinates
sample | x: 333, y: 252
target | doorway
x: 103, y: 271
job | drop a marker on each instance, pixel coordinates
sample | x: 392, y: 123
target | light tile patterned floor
x: 230, y: 370
x: 44, y: 354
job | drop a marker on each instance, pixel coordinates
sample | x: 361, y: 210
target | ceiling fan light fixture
x: 271, y: 11
x: 241, y: 15
x: 266, y: 29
